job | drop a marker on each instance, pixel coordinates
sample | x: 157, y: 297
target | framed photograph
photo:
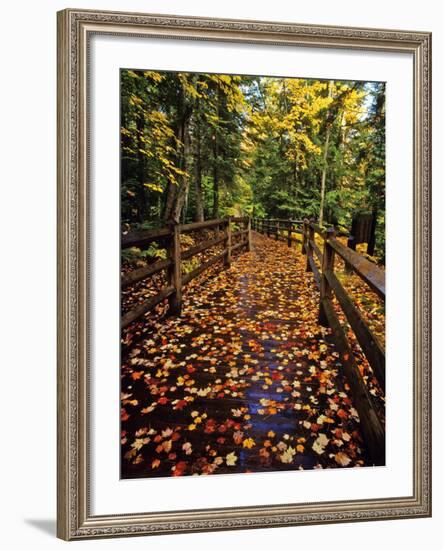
x: 243, y: 274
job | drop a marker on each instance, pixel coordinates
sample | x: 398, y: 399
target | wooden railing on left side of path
x: 321, y: 246
x: 226, y: 233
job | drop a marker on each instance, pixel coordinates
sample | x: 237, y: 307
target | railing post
x: 304, y: 243
x: 268, y: 225
x: 228, y: 243
x: 310, y: 239
x: 327, y: 265
x: 290, y: 225
x: 277, y: 230
x: 174, y: 272
x: 248, y: 244
x: 351, y: 244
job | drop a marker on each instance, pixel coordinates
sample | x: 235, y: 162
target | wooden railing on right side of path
x: 321, y: 247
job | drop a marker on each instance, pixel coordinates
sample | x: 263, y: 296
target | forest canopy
x: 202, y: 146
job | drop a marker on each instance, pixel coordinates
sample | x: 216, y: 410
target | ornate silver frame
x: 75, y: 27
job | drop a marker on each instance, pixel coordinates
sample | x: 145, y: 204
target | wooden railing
x: 226, y: 234
x: 287, y: 230
x: 320, y: 260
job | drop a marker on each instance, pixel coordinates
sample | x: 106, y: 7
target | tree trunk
x: 294, y: 180
x: 142, y: 210
x: 325, y: 161
x: 183, y: 190
x: 371, y: 242
x: 215, y: 174
x: 323, y: 176
x: 178, y: 194
x: 199, y: 212
x: 170, y: 201
x: 215, y: 189
x: 341, y: 146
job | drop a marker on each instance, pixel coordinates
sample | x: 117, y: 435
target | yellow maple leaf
x: 231, y: 459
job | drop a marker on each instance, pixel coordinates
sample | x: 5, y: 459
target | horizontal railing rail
x: 144, y: 272
x: 142, y: 238
x: 279, y: 228
x: 365, y: 269
x: 203, y: 225
x: 233, y: 234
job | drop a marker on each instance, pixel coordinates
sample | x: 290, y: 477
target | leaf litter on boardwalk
x: 244, y: 380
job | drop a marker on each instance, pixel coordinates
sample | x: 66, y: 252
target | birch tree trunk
x: 325, y: 161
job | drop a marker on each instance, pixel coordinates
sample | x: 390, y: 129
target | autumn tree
x: 197, y: 146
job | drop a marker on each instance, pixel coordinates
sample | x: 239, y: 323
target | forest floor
x: 245, y: 380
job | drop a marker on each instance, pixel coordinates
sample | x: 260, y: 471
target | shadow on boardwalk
x: 244, y: 381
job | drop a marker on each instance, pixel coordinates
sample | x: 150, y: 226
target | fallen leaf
x: 342, y: 459
x: 231, y: 459
x: 248, y: 443
x: 288, y: 456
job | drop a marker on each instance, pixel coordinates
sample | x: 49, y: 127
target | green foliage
x: 186, y: 240
x: 136, y: 257
x: 190, y: 265
x: 198, y: 146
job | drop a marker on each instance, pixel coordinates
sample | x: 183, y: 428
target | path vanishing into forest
x: 244, y: 380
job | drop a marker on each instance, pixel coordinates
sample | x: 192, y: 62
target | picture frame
x: 75, y: 518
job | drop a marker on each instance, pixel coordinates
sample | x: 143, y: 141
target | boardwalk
x: 245, y: 380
